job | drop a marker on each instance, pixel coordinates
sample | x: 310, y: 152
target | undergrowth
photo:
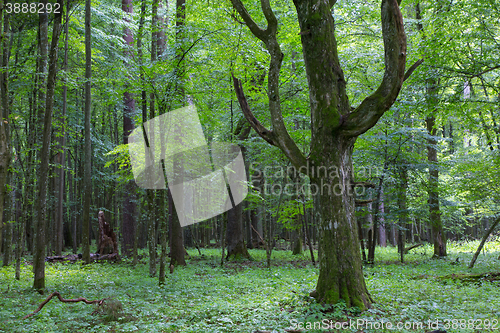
x: 245, y: 296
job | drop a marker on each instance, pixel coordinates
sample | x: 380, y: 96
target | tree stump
x: 107, y: 238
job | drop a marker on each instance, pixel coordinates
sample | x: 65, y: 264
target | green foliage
x: 246, y: 296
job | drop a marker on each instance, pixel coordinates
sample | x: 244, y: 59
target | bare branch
x: 279, y: 136
x: 366, y: 115
x: 410, y: 70
x: 254, y: 28
x: 55, y: 293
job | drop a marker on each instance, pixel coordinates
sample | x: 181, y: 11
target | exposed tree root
x: 55, y: 293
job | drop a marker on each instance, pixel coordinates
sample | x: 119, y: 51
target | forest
x: 238, y: 166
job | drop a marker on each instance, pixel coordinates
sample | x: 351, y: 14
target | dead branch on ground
x: 74, y: 300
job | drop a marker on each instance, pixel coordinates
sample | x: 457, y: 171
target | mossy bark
x: 334, y: 129
x: 341, y: 274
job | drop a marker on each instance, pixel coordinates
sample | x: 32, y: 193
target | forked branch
x: 279, y: 136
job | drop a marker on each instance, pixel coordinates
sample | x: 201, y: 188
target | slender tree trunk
x: 41, y: 202
x: 9, y: 214
x: 373, y: 233
x: 402, y: 205
x: 128, y: 224
x: 87, y: 177
x: 163, y: 238
x: 382, y: 232
x: 234, y: 234
x: 306, y: 231
x: 21, y: 238
x: 177, y: 250
x: 62, y: 147
x: 5, y: 146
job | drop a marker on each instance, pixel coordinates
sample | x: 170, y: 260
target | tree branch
x: 55, y: 293
x: 279, y: 136
x: 410, y: 70
x: 254, y: 122
x: 366, y: 115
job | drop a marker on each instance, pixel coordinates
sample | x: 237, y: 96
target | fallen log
x: 74, y: 257
x: 74, y: 300
x: 491, y: 276
x: 406, y: 250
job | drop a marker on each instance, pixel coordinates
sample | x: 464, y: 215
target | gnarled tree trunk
x: 335, y: 127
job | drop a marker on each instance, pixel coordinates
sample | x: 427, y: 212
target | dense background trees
x: 426, y: 172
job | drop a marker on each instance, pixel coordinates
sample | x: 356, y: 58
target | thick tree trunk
x: 177, y: 250
x: 403, y: 214
x: 382, y: 232
x: 483, y: 241
x: 296, y: 242
x: 439, y: 238
x: 341, y: 274
x: 9, y: 226
x: 236, y: 247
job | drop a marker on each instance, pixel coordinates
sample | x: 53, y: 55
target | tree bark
x: 128, y: 224
x: 87, y: 176
x: 439, y: 238
x: 236, y: 247
x: 177, y: 250
x: 39, y: 256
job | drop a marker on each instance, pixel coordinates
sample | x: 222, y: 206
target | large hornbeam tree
x: 335, y: 125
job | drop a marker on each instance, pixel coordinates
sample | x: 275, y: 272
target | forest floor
x: 246, y: 296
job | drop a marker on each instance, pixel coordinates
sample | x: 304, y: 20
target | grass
x: 245, y: 296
